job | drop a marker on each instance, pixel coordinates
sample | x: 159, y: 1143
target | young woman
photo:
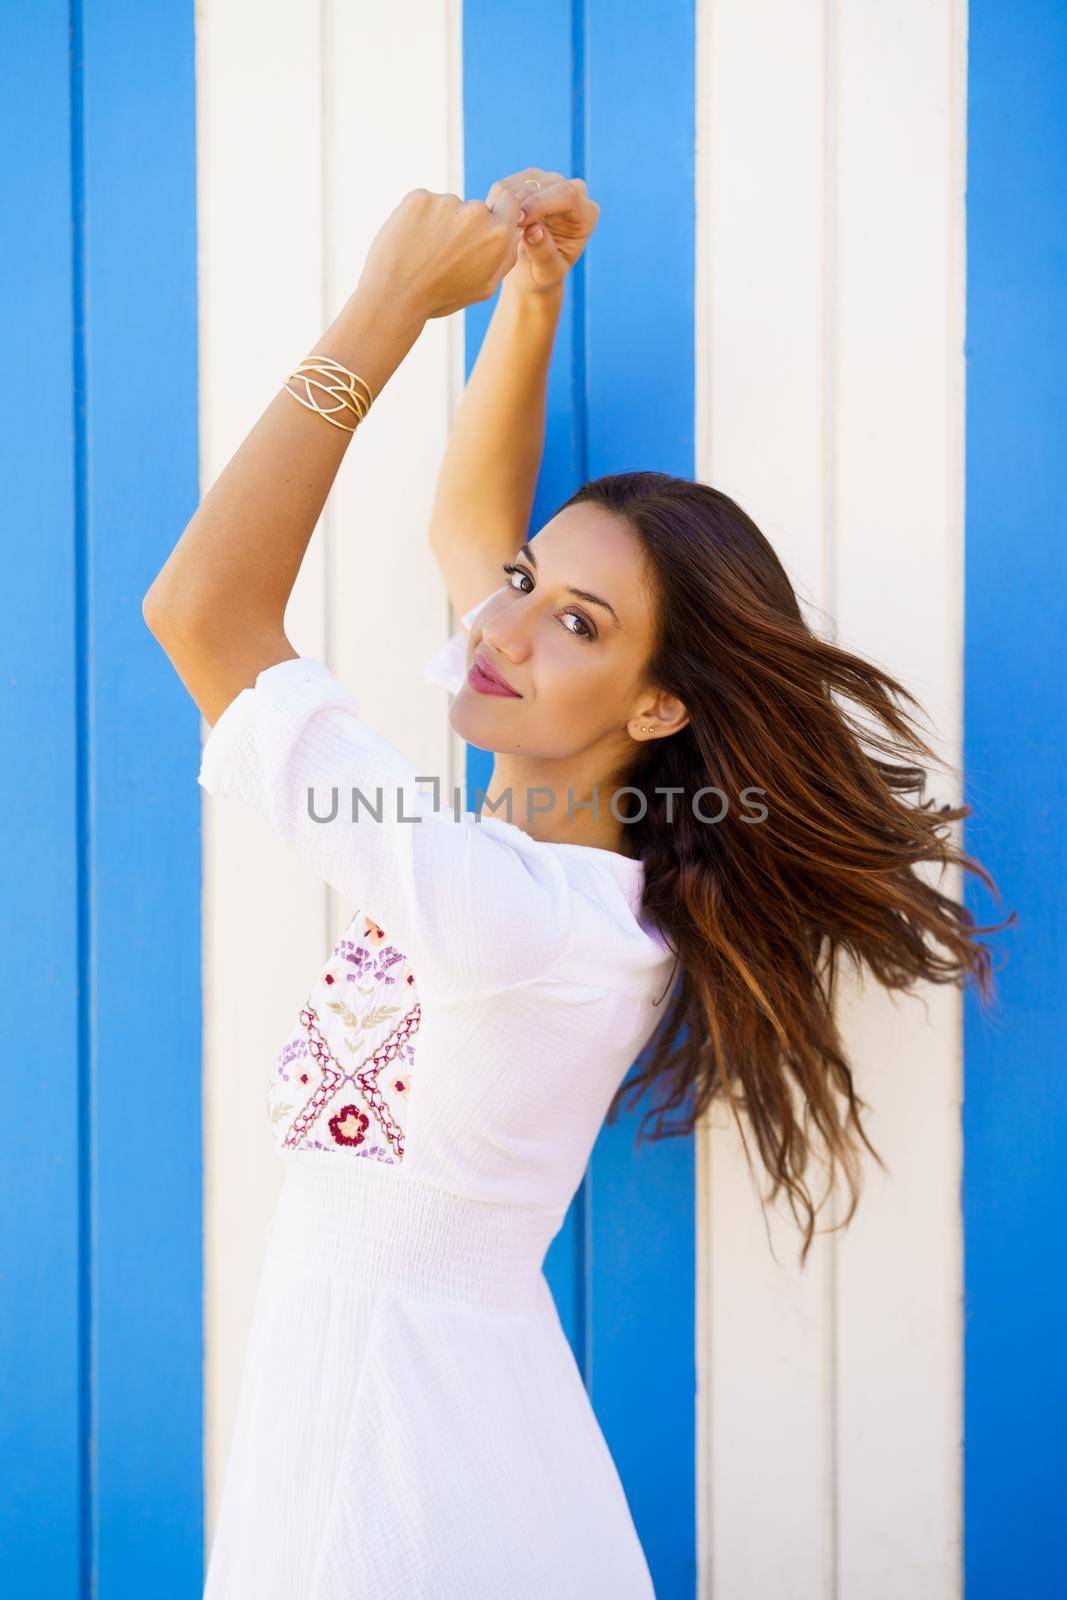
x: 685, y: 830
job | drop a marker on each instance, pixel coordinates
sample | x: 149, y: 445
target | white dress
x: 411, y: 1420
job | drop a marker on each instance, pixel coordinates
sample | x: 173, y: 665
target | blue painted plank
x: 505, y: 131
x: 101, y: 1342
x: 1015, y: 719
x: 623, y: 1268
x: 640, y: 396
x: 143, y: 808
x: 41, y: 1430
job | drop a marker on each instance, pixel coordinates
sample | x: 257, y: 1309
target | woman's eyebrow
x: 582, y: 594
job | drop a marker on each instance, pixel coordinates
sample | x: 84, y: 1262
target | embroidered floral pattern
x: 334, y: 1078
x: 350, y: 1125
x: 354, y: 1033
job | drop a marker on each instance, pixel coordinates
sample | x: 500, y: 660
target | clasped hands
x: 441, y: 254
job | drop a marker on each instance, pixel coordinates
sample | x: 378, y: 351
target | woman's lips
x: 479, y: 679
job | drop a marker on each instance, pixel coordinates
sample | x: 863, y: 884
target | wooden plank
x: 106, y: 1296
x: 142, y: 808
x: 898, y: 564
x: 816, y: 329
x: 307, y: 193
x: 615, y: 1297
x: 638, y: 387
x: 764, y: 418
x: 266, y: 921
x: 1015, y: 1104
x: 390, y: 69
x: 504, y: 132
x: 42, y: 1422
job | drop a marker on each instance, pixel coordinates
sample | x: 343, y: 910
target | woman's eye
x: 510, y: 568
x: 589, y: 632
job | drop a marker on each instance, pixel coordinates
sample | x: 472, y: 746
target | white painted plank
x: 391, y: 116
x: 312, y: 123
x: 260, y: 286
x: 765, y: 1389
x: 899, y: 583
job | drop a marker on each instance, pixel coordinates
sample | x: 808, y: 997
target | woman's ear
x: 666, y: 715
x: 671, y: 713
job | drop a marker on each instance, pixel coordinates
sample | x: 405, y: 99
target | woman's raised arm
x: 218, y: 605
x: 485, y: 489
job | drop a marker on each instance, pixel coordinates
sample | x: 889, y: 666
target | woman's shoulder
x: 612, y: 944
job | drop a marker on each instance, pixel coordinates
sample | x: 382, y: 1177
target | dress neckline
x: 628, y: 871
x: 615, y: 857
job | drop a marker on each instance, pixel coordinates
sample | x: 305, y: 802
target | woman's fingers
x: 569, y: 194
x: 521, y: 182
x: 505, y: 209
x: 505, y: 205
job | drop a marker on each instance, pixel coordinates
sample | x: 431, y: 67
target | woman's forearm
x: 233, y: 569
x: 488, y: 477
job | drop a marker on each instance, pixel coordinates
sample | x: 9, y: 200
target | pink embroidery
x: 350, y: 1125
x: 357, y: 998
x: 365, y: 1078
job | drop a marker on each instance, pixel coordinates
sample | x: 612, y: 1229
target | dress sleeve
x: 473, y: 909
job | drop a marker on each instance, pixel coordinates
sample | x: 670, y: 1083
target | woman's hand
x: 559, y: 219
x: 441, y: 253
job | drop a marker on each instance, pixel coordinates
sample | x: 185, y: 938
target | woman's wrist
x: 537, y: 301
x: 399, y: 304
x: 372, y: 333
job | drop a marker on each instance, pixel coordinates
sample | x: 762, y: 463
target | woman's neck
x: 553, y: 801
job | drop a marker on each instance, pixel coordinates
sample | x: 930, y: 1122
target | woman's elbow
x: 170, y: 615
x: 156, y: 612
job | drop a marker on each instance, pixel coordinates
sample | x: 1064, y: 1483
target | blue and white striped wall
x: 828, y: 277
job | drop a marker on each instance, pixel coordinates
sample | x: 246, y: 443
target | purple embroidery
x: 293, y: 1050
x: 367, y: 964
x: 365, y: 1078
x: 307, y: 1060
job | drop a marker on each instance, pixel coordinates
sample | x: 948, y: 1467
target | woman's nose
x: 507, y: 632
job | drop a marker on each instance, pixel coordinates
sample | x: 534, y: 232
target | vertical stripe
x: 42, y: 1429
x: 897, y: 564
x: 621, y: 395
x: 765, y: 430
x: 288, y: 207
x: 504, y: 131
x: 102, y: 1327
x: 262, y: 270
x: 1015, y: 1108
x: 639, y: 411
x: 82, y: 885
x: 142, y: 816
x: 831, y: 231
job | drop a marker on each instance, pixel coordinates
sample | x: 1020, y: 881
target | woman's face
x: 577, y: 666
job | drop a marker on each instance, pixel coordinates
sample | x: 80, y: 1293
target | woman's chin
x: 476, y: 717
x: 460, y: 714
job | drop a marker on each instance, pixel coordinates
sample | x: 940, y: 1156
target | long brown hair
x: 760, y: 909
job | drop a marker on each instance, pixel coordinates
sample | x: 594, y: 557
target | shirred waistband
x: 371, y: 1223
